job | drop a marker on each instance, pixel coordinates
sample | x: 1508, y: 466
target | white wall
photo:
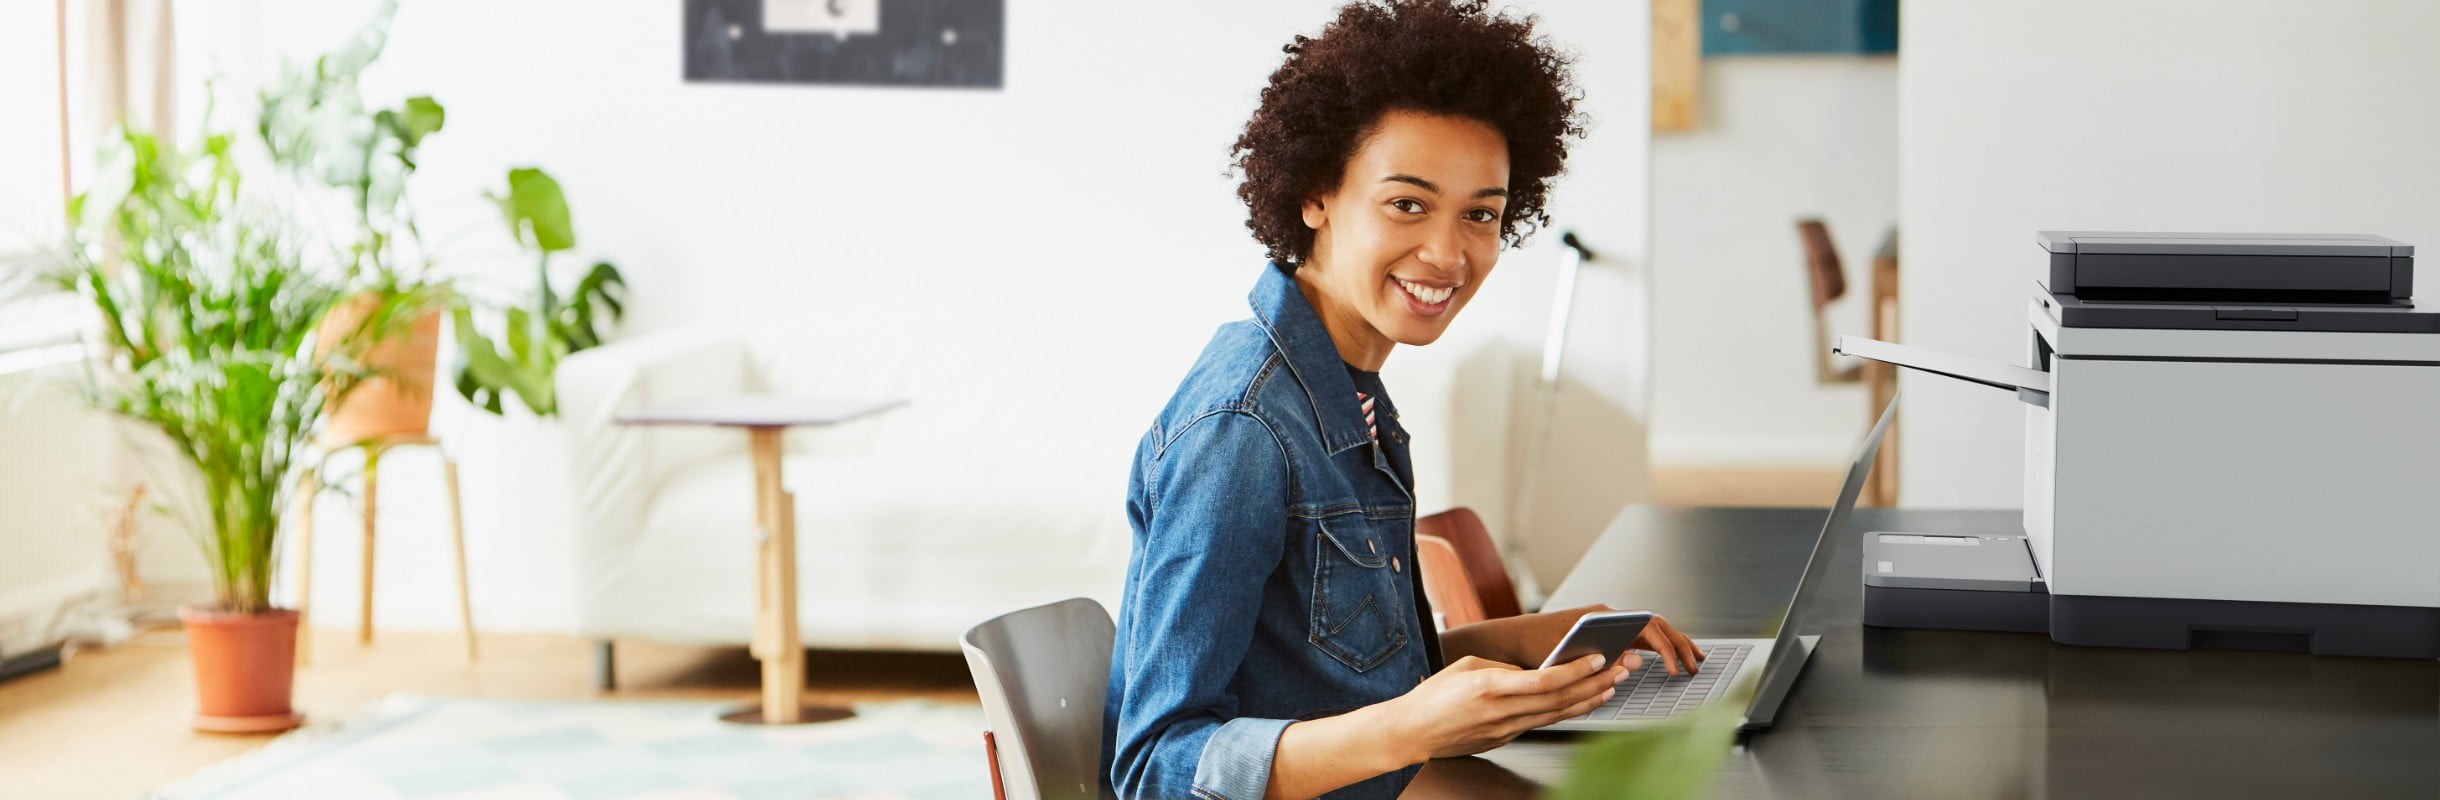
x: 2191, y: 115
x: 1781, y: 138
x: 1089, y: 189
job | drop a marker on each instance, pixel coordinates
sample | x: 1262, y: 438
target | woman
x: 1274, y: 640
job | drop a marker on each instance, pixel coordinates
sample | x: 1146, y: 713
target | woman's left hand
x: 1532, y: 636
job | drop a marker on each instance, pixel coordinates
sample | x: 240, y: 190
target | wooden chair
x: 1828, y: 282
x: 310, y: 486
x: 1881, y: 487
x: 1043, y: 674
x: 1463, y: 576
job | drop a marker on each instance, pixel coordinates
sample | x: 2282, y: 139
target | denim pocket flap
x: 1359, y: 602
x: 1354, y: 538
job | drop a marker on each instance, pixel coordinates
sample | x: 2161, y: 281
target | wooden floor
x: 112, y: 722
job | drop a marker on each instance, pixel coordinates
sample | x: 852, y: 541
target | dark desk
x: 1946, y: 714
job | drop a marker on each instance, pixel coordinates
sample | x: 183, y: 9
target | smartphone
x: 1609, y: 634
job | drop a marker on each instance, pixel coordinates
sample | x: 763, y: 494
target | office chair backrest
x: 1042, y: 673
x: 1486, y: 574
x: 1446, y: 583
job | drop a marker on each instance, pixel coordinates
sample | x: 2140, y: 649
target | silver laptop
x: 1651, y: 695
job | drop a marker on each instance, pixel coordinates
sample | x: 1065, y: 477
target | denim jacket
x: 1273, y: 575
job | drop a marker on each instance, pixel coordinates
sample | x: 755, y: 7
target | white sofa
x: 1002, y: 485
x: 912, y: 526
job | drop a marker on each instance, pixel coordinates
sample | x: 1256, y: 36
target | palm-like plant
x: 208, y: 319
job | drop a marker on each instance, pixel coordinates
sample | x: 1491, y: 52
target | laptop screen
x: 1786, y: 653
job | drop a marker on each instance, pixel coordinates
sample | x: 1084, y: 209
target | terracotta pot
x: 245, y: 665
x: 399, y: 401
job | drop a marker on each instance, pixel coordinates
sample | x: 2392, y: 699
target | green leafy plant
x: 318, y: 127
x: 208, y: 319
x: 533, y: 338
x: 317, y: 124
x: 1676, y: 760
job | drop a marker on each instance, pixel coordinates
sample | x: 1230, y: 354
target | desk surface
x: 1952, y: 714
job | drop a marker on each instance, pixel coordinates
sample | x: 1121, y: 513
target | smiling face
x: 1408, y: 235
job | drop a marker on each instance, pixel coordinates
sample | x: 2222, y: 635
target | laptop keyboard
x: 1652, y: 692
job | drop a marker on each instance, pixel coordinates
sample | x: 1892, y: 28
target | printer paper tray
x: 1988, y: 373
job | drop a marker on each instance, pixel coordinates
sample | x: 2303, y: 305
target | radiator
x: 57, y: 465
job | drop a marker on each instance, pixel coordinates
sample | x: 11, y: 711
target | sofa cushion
x: 892, y: 553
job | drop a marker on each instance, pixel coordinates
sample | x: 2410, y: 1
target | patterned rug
x: 416, y: 746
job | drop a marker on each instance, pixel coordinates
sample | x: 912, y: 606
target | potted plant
x: 207, y: 330
x: 534, y: 338
x: 320, y: 130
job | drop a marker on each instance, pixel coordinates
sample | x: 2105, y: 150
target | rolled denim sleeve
x: 1236, y: 760
x: 1212, y: 502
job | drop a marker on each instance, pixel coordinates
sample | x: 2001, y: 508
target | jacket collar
x: 1298, y: 333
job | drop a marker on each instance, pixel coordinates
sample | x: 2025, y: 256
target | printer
x: 2231, y: 440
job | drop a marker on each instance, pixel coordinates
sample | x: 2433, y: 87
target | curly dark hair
x: 1458, y: 58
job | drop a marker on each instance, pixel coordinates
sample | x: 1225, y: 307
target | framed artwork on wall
x: 1779, y: 27
x: 935, y: 43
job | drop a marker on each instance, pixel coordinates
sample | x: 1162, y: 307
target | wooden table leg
x: 779, y: 688
x: 308, y: 485
x: 761, y: 645
x: 791, y: 695
x: 457, y: 539
x: 779, y: 645
x: 372, y: 491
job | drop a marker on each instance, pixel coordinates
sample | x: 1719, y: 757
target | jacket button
x: 1393, y: 563
x: 1368, y: 545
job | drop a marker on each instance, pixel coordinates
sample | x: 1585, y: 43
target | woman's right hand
x: 1478, y: 704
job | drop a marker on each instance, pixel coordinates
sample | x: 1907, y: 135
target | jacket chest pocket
x: 1359, y: 594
